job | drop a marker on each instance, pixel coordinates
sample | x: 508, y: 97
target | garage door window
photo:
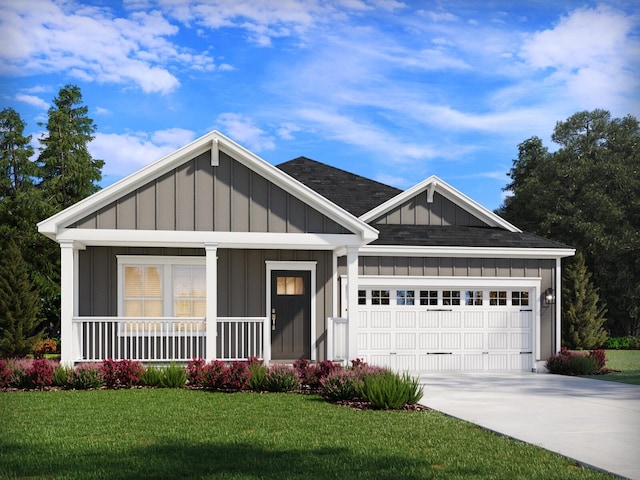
x: 451, y: 297
x: 498, y: 298
x: 428, y: 297
x: 520, y: 298
x: 473, y: 297
x: 379, y: 297
x: 405, y: 297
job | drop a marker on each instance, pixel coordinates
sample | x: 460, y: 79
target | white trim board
x: 309, y: 266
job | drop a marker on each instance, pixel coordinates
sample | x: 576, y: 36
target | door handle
x: 273, y: 319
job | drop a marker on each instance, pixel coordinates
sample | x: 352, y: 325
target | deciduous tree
x: 587, y: 194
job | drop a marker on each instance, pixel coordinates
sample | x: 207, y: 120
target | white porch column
x: 558, y: 306
x: 352, y: 301
x: 68, y: 300
x: 211, y: 263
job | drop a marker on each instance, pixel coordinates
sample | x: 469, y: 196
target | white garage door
x: 446, y: 329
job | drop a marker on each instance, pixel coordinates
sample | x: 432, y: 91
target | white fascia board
x: 450, y: 193
x: 469, y: 252
x: 296, y: 188
x: 458, y: 281
x: 197, y: 239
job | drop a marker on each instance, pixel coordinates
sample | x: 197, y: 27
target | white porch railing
x: 167, y: 339
x: 337, y: 339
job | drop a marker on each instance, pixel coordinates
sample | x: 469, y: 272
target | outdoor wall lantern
x: 549, y: 297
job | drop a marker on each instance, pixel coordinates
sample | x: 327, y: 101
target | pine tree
x: 582, y: 316
x: 18, y: 304
x: 17, y: 171
x: 69, y: 173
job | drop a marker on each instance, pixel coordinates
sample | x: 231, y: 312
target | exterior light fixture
x: 549, y: 297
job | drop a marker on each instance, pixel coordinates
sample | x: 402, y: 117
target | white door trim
x: 299, y: 266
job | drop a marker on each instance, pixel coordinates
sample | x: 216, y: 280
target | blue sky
x: 392, y: 90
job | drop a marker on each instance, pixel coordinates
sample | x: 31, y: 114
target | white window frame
x: 167, y: 263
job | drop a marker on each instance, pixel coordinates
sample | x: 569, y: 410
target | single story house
x: 211, y: 252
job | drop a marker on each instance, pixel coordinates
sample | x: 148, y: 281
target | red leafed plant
x: 6, y: 372
x: 122, y: 373
x: 42, y: 347
x: 40, y: 374
x: 195, y: 372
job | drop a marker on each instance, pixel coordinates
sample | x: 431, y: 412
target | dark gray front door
x: 290, y: 314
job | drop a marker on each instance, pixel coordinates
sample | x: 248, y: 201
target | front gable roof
x: 216, y: 143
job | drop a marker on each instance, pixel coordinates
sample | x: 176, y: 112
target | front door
x: 290, y: 314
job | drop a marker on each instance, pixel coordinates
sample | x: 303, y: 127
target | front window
x: 143, y: 292
x: 162, y: 287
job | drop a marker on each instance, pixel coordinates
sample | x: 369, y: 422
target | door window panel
x: 289, y: 286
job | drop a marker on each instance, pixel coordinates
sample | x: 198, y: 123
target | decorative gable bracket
x: 215, y: 153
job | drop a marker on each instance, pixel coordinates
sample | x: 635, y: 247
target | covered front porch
x: 220, y: 328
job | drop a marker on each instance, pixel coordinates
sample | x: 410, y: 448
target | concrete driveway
x: 594, y: 422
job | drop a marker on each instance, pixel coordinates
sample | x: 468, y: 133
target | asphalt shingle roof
x: 356, y: 194
x: 452, y: 236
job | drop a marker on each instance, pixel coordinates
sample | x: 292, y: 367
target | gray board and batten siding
x: 241, y: 281
x: 440, y: 212
x: 196, y: 196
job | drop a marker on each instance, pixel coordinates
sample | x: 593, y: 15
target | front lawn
x: 627, y: 361
x: 181, y: 433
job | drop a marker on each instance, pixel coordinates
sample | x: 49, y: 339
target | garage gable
x: 433, y: 202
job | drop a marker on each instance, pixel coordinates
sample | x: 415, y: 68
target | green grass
x: 627, y: 361
x: 146, y: 433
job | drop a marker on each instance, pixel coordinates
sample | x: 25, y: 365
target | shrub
x: 151, y: 376
x: 622, y: 343
x: 214, y: 375
x: 6, y: 373
x: 281, y: 378
x: 575, y: 363
x: 341, y: 385
x: 600, y: 356
x: 62, y: 376
x: 237, y: 376
x: 387, y: 390
x: 19, y: 378
x: 195, y: 372
x: 257, y: 377
x: 40, y: 374
x: 173, y: 376
x: 123, y: 373
x: 87, y: 376
x: 42, y: 347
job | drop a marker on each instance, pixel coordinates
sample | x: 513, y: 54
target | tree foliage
x: 32, y: 190
x: 69, y: 173
x: 19, y: 304
x: 582, y: 315
x: 587, y: 194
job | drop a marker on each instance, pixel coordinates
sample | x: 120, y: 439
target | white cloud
x: 102, y: 111
x: 125, y: 153
x: 89, y: 43
x: 244, y: 130
x: 286, y: 130
x: 592, y: 55
x: 32, y: 100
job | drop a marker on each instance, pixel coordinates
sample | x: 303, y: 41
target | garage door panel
x: 521, y: 362
x: 429, y: 341
x: 521, y: 319
x: 450, y: 319
x: 381, y: 361
x: 497, y: 341
x: 428, y: 319
x: 380, y: 341
x: 473, y: 362
x: 363, y: 318
x: 473, y: 341
x: 520, y: 341
x: 405, y: 341
x: 498, y: 361
x: 381, y: 319
x: 474, y: 319
x: 406, y: 319
x: 498, y: 319
x: 451, y: 341
x: 406, y: 363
